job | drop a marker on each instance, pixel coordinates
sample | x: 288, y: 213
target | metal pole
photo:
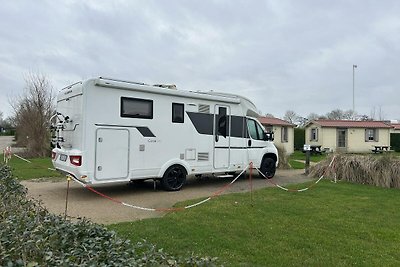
x: 307, y: 165
x: 66, y: 198
x: 354, y: 109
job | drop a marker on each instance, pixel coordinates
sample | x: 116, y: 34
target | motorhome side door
x: 112, y: 154
x: 221, y: 136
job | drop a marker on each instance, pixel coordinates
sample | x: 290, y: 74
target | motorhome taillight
x: 53, y: 155
x: 76, y: 160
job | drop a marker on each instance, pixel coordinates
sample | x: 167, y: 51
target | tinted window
x: 136, y: 108
x: 222, y: 122
x: 178, y: 111
x: 238, y: 126
x: 255, y: 131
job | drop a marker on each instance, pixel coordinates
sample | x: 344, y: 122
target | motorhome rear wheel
x: 174, y: 178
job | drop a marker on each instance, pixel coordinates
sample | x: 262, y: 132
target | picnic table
x: 380, y: 149
x: 314, y: 149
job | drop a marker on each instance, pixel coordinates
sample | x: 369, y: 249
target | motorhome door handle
x: 249, y: 143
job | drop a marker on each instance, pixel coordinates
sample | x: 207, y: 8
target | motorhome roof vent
x: 168, y: 86
x: 204, y: 108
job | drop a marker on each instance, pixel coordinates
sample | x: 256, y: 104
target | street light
x: 354, y: 110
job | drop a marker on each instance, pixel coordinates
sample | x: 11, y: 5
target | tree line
x: 336, y: 114
x: 32, y: 111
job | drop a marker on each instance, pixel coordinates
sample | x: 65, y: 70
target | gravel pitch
x: 84, y: 203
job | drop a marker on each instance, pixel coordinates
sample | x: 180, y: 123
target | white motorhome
x: 110, y: 130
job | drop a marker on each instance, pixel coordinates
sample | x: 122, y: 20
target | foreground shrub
x: 31, y: 236
x: 375, y: 170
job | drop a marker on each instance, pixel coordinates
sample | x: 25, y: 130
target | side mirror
x: 269, y: 136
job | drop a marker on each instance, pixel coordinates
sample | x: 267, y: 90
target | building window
x: 178, y: 112
x: 371, y: 135
x: 314, y: 134
x: 284, y: 133
x: 136, y: 108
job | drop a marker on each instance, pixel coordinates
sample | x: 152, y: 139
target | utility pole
x: 354, y: 109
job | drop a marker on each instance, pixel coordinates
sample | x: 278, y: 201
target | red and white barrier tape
x: 22, y: 158
x: 216, y: 194
x: 298, y: 190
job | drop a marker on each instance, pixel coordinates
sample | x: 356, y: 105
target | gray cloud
x: 281, y: 54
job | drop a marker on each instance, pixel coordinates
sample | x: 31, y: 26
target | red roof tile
x: 274, y: 121
x: 351, y: 124
x: 396, y: 126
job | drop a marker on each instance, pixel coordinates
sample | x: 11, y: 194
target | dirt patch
x: 84, y: 203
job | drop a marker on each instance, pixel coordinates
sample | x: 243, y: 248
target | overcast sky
x: 283, y: 55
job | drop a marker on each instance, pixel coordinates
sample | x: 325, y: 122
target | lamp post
x: 354, y: 110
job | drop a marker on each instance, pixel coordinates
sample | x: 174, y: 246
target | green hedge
x: 395, y: 141
x: 31, y: 236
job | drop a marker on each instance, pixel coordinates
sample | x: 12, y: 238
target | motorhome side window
x: 255, y: 131
x: 136, y: 108
x: 222, y: 122
x: 178, y: 111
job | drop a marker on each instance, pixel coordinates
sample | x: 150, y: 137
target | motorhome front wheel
x: 268, y: 167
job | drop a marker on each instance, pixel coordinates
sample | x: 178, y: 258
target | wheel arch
x: 272, y: 156
x: 171, y: 163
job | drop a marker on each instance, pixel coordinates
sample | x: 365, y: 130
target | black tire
x: 174, y: 178
x: 268, y: 167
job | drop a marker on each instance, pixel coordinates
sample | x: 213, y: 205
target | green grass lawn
x: 37, y: 169
x: 331, y: 225
x: 299, y: 155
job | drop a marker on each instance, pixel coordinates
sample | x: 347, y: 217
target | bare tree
x: 32, y: 111
x: 291, y: 116
x: 381, y: 114
x: 377, y: 114
x: 336, y: 114
x: 315, y: 116
x: 350, y: 115
x: 269, y: 115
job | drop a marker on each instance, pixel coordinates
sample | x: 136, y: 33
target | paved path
x: 84, y: 203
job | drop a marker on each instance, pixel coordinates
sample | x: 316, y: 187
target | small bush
x: 31, y: 236
x: 375, y: 170
x: 283, y: 158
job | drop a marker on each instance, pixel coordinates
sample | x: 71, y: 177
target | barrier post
x: 307, y: 149
x: 251, y: 183
x: 7, y: 154
x: 66, y: 198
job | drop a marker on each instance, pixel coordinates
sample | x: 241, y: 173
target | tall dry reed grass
x: 283, y: 158
x: 375, y: 170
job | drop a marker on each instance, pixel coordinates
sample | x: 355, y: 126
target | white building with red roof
x: 396, y: 127
x: 283, y: 133
x: 347, y: 135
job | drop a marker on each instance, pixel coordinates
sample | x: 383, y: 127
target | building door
x: 222, y: 138
x: 342, y: 139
